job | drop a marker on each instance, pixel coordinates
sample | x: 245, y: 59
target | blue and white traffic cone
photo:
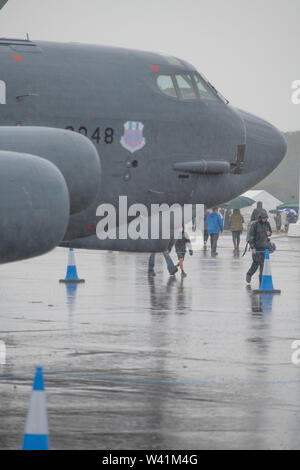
x: 36, y: 429
x: 266, y: 286
x: 72, y: 275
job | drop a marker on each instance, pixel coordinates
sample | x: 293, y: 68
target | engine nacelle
x: 34, y: 206
x: 73, y: 154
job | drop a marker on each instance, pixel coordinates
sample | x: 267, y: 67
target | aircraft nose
x: 265, y: 145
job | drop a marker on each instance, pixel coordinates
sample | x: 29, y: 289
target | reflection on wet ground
x: 161, y: 363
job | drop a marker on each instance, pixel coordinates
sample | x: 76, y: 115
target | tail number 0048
x: 107, y: 135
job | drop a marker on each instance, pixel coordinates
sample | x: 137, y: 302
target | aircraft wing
x: 3, y: 3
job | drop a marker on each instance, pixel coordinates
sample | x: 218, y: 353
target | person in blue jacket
x: 214, y: 227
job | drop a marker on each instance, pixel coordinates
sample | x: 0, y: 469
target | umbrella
x: 240, y: 202
x: 289, y: 205
x: 290, y: 211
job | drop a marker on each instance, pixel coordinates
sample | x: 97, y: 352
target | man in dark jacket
x: 180, y: 247
x: 259, y: 241
x: 256, y: 212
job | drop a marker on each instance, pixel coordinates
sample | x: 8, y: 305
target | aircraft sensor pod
x: 2, y: 92
x: 204, y: 167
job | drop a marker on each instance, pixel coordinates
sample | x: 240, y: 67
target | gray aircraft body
x: 112, y: 122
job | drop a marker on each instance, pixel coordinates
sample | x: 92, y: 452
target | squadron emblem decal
x: 133, y: 139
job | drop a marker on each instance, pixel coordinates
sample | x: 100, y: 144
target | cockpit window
x: 186, y: 87
x: 204, y: 91
x: 166, y: 85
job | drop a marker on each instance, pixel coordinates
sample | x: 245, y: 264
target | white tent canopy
x: 269, y: 202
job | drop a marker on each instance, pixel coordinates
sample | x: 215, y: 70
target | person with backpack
x: 259, y: 242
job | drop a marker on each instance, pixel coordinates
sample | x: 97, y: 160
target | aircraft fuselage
x: 112, y: 96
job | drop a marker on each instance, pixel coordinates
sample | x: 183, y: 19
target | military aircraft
x: 81, y: 125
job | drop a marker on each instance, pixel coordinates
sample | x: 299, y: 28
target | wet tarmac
x: 163, y: 363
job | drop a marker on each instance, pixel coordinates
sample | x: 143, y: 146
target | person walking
x: 259, y: 241
x: 277, y: 219
x: 205, y: 235
x: 169, y: 262
x: 285, y: 221
x: 256, y: 211
x: 254, y: 217
x: 180, y: 246
x: 214, y: 227
x: 236, y: 226
x: 227, y: 216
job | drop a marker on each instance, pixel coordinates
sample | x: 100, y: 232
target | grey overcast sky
x: 249, y: 49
